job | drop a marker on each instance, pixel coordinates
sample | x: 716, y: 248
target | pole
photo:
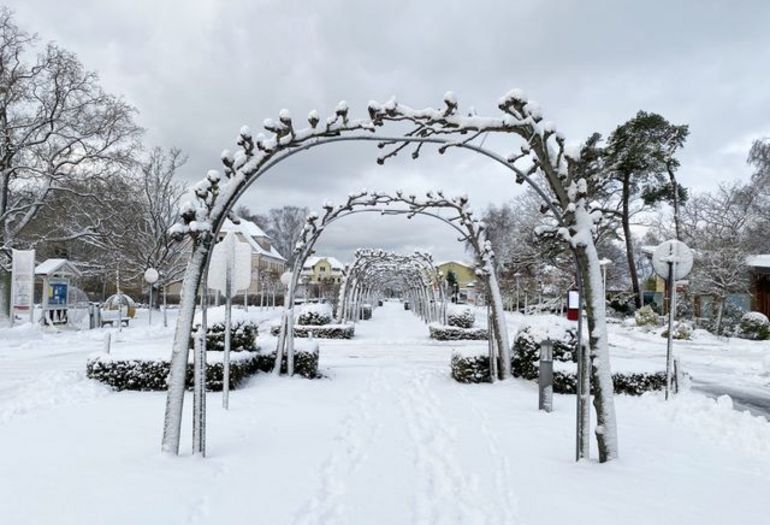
x: 149, y: 316
x: 671, y: 313
x: 545, y: 377
x: 583, y: 387
x: 228, y: 319
x: 199, y: 375
x: 165, y: 317
x: 120, y: 301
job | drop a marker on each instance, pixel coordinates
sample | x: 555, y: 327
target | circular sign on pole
x: 286, y: 278
x: 674, y: 254
x: 151, y: 275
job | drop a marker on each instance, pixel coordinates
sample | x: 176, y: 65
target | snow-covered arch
x: 470, y: 230
x: 542, y: 154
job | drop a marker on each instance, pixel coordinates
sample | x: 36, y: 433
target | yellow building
x: 467, y: 281
x: 321, y: 277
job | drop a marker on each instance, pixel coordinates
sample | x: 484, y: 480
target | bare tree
x: 285, y: 227
x: 56, y: 123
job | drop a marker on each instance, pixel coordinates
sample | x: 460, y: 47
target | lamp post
x: 603, y: 263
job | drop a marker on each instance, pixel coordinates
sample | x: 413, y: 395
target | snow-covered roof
x: 54, y: 266
x: 251, y: 232
x: 758, y: 261
x: 461, y: 263
x: 334, y: 263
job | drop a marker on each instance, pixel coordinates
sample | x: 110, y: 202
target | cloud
x: 198, y: 70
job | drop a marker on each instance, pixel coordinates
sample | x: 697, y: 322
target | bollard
x: 91, y: 316
x: 107, y: 342
x: 545, y: 377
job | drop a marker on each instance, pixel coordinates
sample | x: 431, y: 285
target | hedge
x: 475, y: 369
x: 314, y: 314
x: 151, y: 375
x: 454, y: 333
x: 526, y: 364
x: 365, y: 312
x: 243, y: 336
x: 329, y: 331
x: 460, y: 316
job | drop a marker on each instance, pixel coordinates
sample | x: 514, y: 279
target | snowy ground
x: 387, y: 438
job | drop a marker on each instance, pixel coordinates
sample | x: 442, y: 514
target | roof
x: 758, y: 261
x: 54, y: 266
x: 334, y: 263
x: 461, y: 263
x: 251, y: 232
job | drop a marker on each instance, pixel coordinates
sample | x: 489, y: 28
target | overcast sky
x: 199, y: 69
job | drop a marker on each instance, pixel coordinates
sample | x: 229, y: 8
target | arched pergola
x: 542, y: 158
x: 470, y: 229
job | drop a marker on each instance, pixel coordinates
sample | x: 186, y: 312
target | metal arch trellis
x: 543, y: 152
x: 470, y: 230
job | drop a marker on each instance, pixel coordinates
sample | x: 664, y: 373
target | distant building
x: 267, y: 264
x: 321, y: 277
x: 760, y: 282
x: 467, y: 281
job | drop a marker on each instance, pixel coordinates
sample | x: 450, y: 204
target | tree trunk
x: 172, y: 424
x: 675, y: 202
x: 626, y: 220
x: 5, y: 295
x: 604, y: 403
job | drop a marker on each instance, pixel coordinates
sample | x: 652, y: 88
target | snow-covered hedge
x: 453, y: 333
x: 475, y: 369
x: 461, y: 316
x: 470, y: 368
x: 646, y: 316
x: 682, y: 331
x: 243, y: 336
x: 314, y: 314
x: 526, y: 346
x: 365, y: 312
x: 329, y: 331
x: 754, y: 325
x: 305, y: 361
x: 406, y: 305
x: 151, y: 374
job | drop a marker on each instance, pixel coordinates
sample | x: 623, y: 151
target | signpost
x: 672, y: 261
x: 151, y: 277
x: 22, y: 283
x: 230, y: 271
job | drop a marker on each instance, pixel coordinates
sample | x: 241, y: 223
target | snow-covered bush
x: 406, y: 305
x: 455, y: 333
x: 151, y: 374
x: 731, y: 319
x: 461, y: 316
x: 754, y: 325
x: 329, y: 331
x: 646, y: 316
x: 314, y: 314
x: 470, y: 368
x: 365, y: 312
x: 243, y: 336
x: 305, y: 362
x: 526, y: 347
x: 682, y: 331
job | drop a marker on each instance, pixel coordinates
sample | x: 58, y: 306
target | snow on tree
x: 542, y: 154
x: 56, y: 123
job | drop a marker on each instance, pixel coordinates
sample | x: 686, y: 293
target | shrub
x: 406, y: 305
x: 454, y: 333
x: 243, y: 336
x: 731, y: 319
x: 470, y: 369
x: 152, y: 374
x: 754, y: 325
x: 475, y: 369
x: 682, y: 331
x: 460, y: 316
x: 646, y: 316
x: 314, y: 314
x: 305, y: 362
x: 526, y: 348
x: 329, y: 331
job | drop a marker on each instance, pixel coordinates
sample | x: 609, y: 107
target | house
x: 321, y: 276
x: 467, y: 281
x: 267, y: 264
x: 759, y: 265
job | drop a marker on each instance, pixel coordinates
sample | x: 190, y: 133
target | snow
x: 758, y: 261
x: 387, y: 437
